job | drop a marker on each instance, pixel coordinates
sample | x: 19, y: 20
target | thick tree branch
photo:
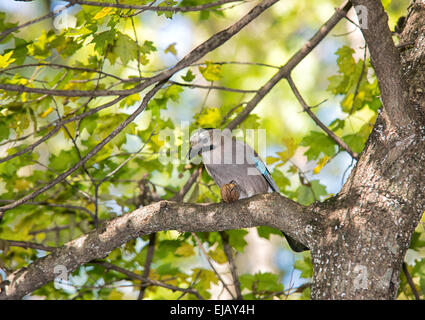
x: 155, y: 8
x: 385, y: 60
x: 272, y: 210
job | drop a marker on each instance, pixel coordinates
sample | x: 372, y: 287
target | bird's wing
x: 261, y: 167
x: 266, y: 174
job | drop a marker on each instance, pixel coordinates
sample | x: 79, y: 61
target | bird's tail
x: 294, y: 244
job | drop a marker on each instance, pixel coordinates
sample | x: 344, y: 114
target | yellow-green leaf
x: 291, y: 146
x: 218, y: 255
x: 211, y: 72
x: 211, y: 118
x: 115, y: 295
x: 46, y: 113
x: 171, y: 48
x: 185, y: 250
x: 321, y: 164
x: 5, y: 59
x: 103, y: 13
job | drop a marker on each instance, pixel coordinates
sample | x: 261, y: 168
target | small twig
x: 211, y: 87
x: 132, y: 275
x: 133, y: 155
x: 192, y: 179
x: 285, y: 70
x: 58, y: 124
x: 360, y: 79
x: 51, y: 14
x: 191, y: 285
x: 406, y: 44
x: 229, y: 113
x: 148, y: 263
x: 88, y: 156
x: 228, y: 252
x: 329, y: 132
x: 27, y: 245
x: 54, y: 205
x: 205, y: 253
x: 410, y: 281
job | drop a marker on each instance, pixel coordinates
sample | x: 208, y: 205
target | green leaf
x: 4, y: 131
x: 20, y: 52
x: 337, y: 124
x: 147, y: 47
x: 102, y: 40
x: 417, y: 241
x: 189, y: 76
x: 167, y: 269
x: 125, y: 48
x: 63, y: 161
x: 173, y: 93
x: 318, y: 189
x: 281, y: 181
x: 167, y: 3
x: 318, y: 142
x: 218, y: 255
x: 345, y: 60
x: 261, y: 282
x: 305, y: 266
x: 89, y: 123
x: 211, y: 118
x: 6, y: 25
x: 265, y: 232
x: 172, y: 49
x: 305, y: 195
x: 251, y: 122
x: 236, y: 239
x: 355, y: 142
x: 185, y: 250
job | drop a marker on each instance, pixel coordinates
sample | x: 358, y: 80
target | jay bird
x: 235, y: 167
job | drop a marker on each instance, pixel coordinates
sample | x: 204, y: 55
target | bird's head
x: 205, y: 140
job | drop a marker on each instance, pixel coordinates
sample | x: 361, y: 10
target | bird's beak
x: 193, y: 152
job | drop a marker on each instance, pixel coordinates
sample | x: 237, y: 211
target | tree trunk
x: 370, y: 223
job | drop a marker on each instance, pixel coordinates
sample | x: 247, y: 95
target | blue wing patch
x: 266, y: 174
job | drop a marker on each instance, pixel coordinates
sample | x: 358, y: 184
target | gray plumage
x: 227, y: 159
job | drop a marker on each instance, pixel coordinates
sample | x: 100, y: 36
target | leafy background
x: 306, y: 164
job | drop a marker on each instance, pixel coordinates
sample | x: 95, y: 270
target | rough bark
x: 370, y: 223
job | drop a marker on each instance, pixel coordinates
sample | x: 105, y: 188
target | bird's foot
x: 230, y: 192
